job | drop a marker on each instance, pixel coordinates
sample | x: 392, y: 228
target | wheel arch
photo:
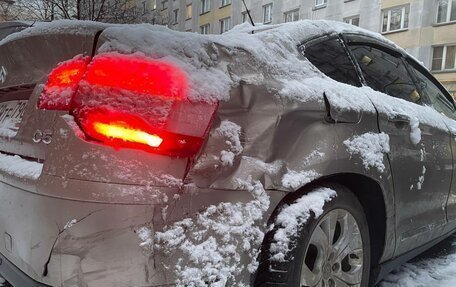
x: 371, y: 196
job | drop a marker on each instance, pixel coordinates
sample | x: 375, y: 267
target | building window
x: 446, y: 11
x: 225, y: 25
x: 451, y: 87
x: 245, y: 17
x: 291, y: 16
x: 176, y: 16
x: 189, y: 12
x: 225, y: 2
x: 205, y: 29
x: 320, y: 3
x: 144, y: 10
x: 267, y: 13
x: 153, y: 4
x: 164, y: 4
x: 444, y: 58
x: 396, y: 18
x: 205, y: 6
x: 352, y: 20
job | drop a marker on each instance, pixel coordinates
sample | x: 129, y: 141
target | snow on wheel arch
x: 292, y: 218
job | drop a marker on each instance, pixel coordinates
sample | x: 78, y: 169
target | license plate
x: 11, y: 114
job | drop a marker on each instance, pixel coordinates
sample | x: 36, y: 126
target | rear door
x: 420, y: 153
x: 442, y: 102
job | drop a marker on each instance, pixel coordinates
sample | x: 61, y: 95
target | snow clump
x: 211, y: 245
x: 70, y: 224
x: 420, y: 182
x: 371, y: 147
x: 231, y: 132
x: 295, y: 179
x: 145, y: 234
x: 292, y: 218
x: 415, y: 132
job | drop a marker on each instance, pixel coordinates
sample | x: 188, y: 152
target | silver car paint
x: 111, y: 194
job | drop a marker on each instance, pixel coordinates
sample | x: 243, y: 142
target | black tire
x: 288, y: 273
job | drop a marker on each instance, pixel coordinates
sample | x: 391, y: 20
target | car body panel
x: 110, y: 194
x: 420, y: 201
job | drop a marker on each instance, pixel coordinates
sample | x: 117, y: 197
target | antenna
x: 248, y: 13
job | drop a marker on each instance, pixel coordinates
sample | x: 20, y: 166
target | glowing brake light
x: 127, y: 134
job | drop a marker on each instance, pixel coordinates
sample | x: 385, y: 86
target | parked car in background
x: 311, y: 153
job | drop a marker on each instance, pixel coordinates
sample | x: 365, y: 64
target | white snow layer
x: 295, y: 179
x: 57, y: 27
x: 269, y: 54
x: 231, y: 132
x: 415, y: 132
x: 70, y: 223
x: 292, y: 218
x: 371, y: 148
x: 211, y: 245
x: 16, y: 166
x: 440, y: 271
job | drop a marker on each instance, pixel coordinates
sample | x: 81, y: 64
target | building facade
x: 425, y: 28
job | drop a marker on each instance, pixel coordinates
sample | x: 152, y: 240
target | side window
x: 385, y: 73
x: 435, y: 95
x: 329, y: 57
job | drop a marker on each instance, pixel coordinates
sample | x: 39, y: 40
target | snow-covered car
x: 311, y: 153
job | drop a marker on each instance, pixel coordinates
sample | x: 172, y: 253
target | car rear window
x: 330, y: 57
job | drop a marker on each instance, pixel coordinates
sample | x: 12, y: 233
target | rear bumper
x: 62, y: 242
x: 15, y: 276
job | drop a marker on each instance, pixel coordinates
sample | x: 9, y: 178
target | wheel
x: 332, y: 250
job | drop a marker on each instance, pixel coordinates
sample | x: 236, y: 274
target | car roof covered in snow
x: 303, y: 30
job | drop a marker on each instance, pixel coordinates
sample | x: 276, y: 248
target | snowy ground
x: 436, y: 267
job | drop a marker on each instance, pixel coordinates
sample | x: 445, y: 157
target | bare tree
x: 117, y: 11
x: 9, y: 10
x: 37, y: 10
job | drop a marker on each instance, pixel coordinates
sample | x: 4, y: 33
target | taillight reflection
x: 137, y: 74
x: 62, y: 84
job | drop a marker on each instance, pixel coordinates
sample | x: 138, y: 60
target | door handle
x: 400, y: 121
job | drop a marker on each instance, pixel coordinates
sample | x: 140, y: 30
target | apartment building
x: 425, y: 28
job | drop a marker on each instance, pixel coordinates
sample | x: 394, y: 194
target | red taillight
x: 62, y: 83
x: 136, y: 102
x: 126, y: 130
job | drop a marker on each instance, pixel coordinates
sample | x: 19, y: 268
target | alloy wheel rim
x: 334, y: 255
